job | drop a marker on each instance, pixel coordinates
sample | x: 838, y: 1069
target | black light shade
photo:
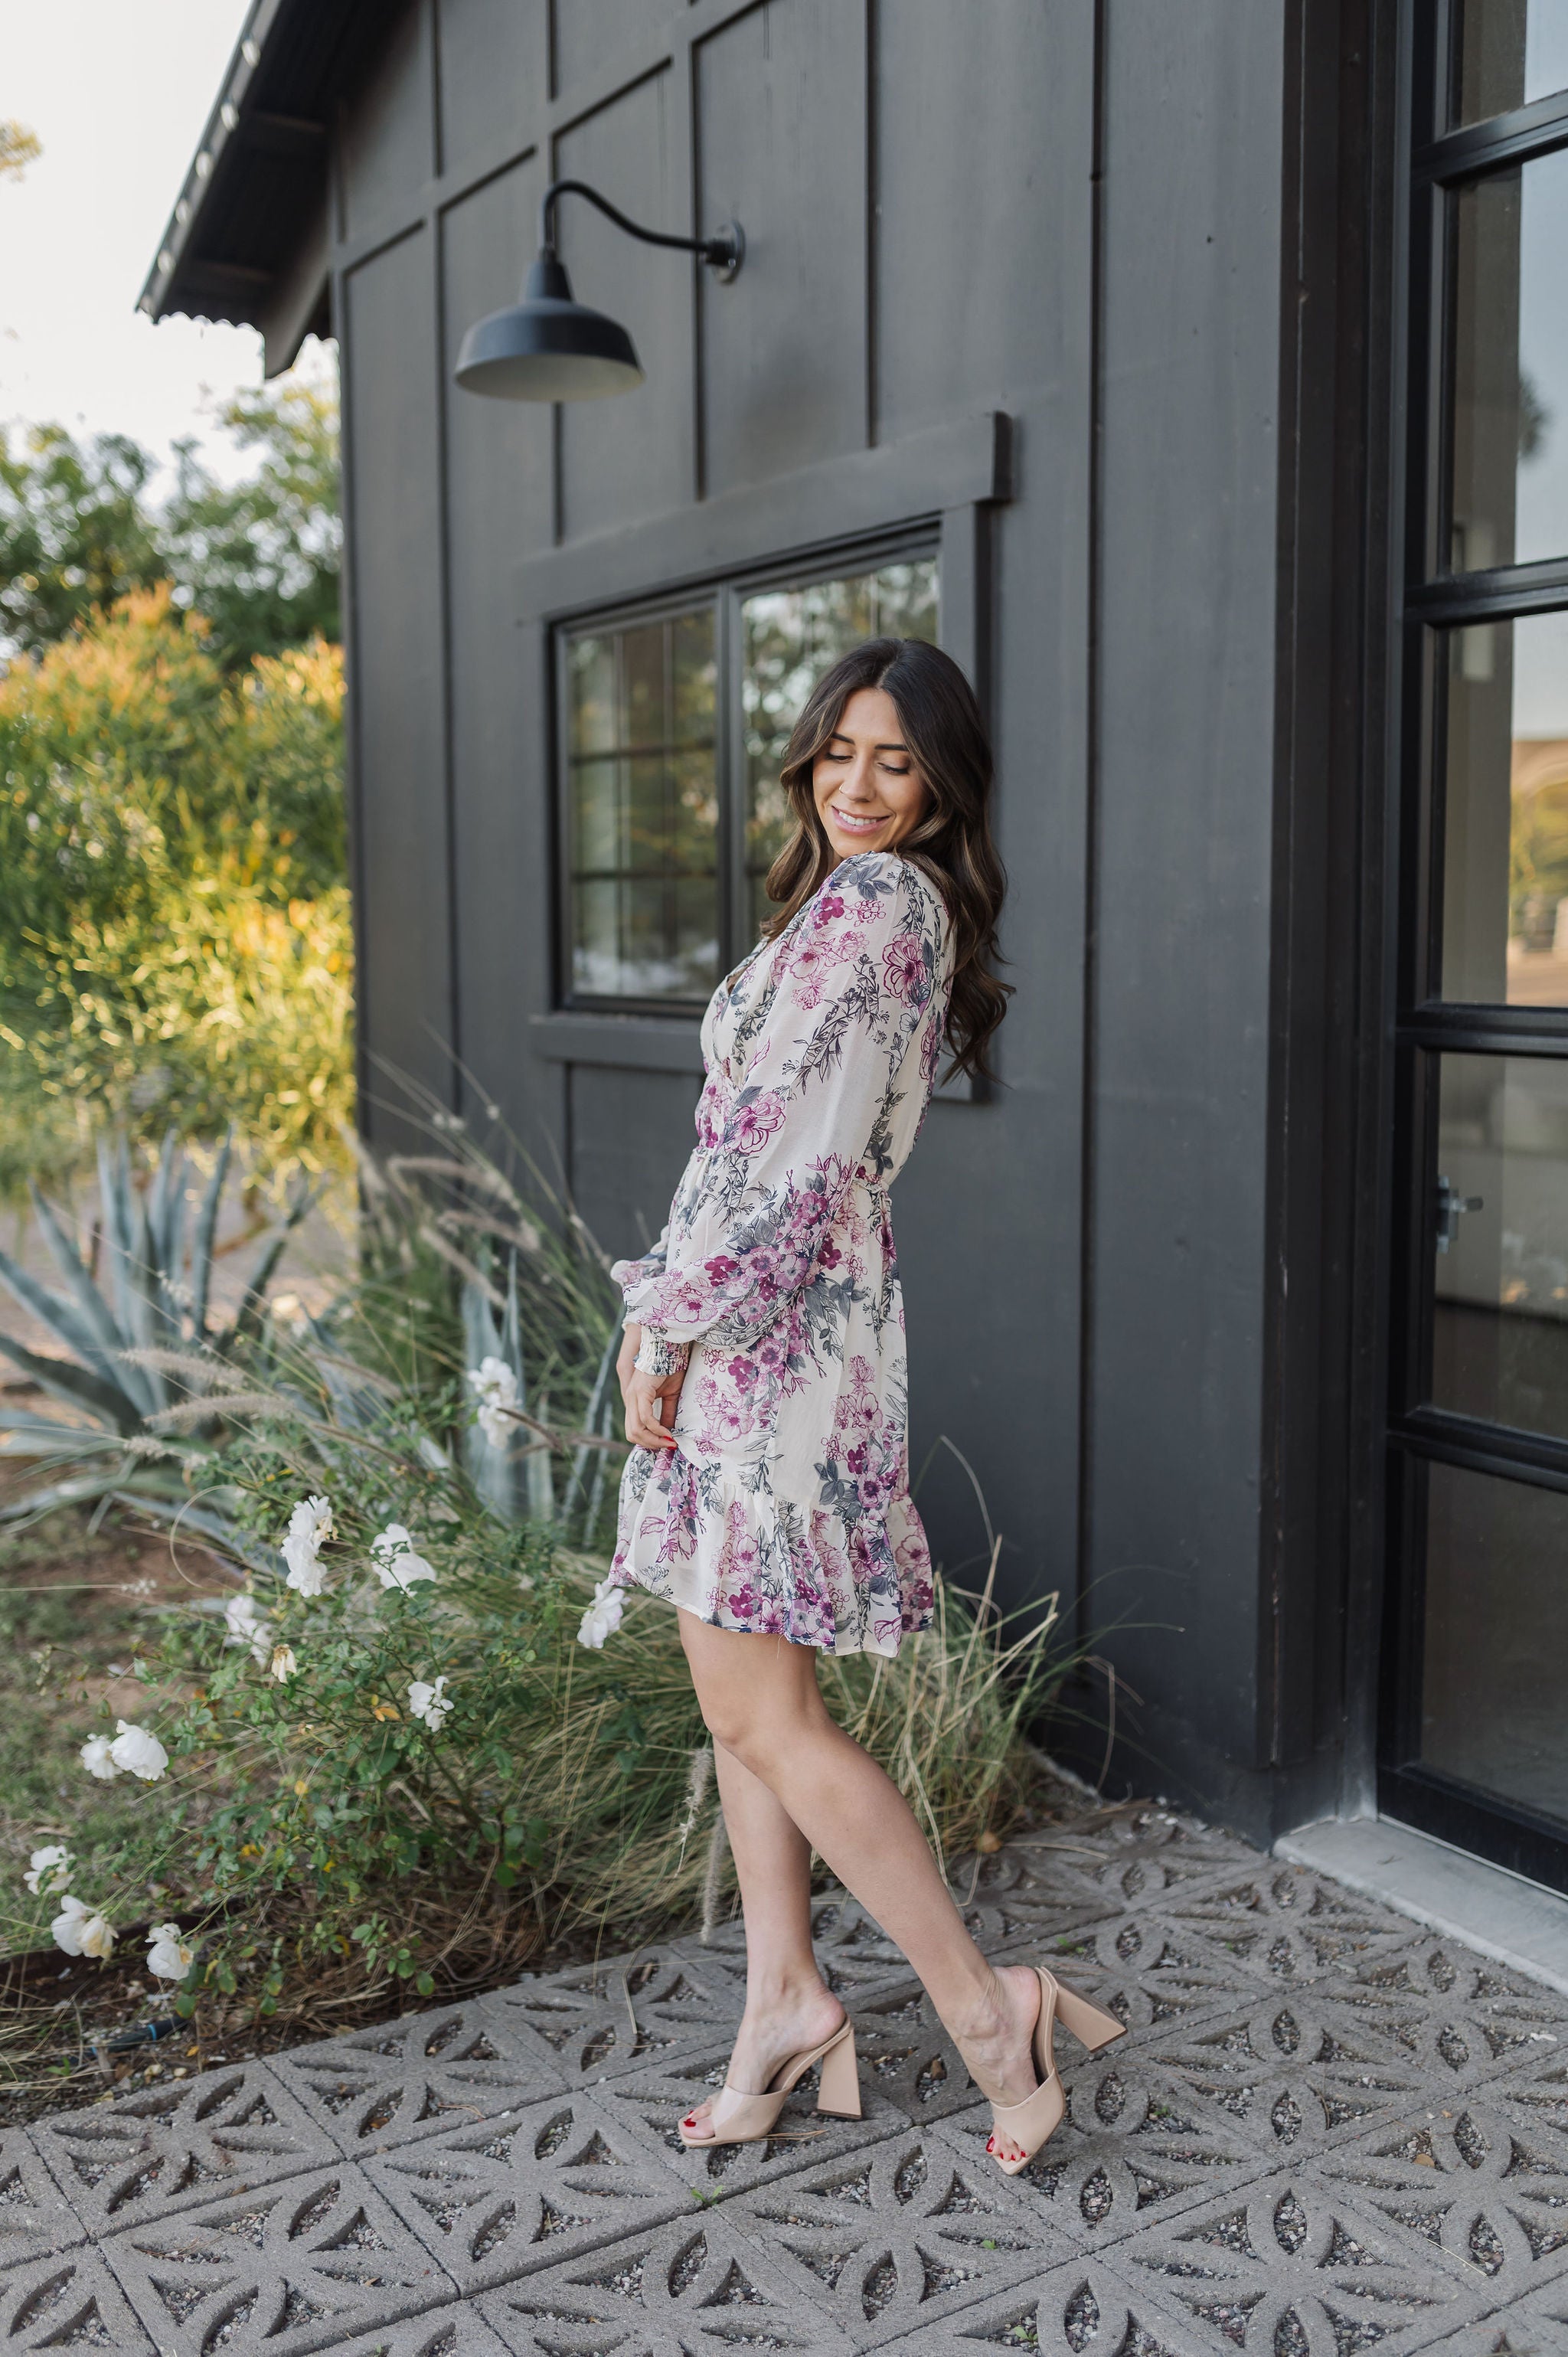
x: 547, y: 346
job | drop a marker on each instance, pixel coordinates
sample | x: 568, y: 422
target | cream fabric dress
x: 785, y: 1507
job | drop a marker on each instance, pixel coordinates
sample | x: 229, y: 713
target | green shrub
x: 175, y: 932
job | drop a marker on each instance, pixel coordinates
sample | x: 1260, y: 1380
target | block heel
x: 1092, y: 2028
x: 838, y: 2087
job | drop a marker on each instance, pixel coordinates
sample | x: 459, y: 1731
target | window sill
x: 631, y: 1043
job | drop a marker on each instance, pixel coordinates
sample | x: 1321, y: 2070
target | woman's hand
x: 650, y: 1399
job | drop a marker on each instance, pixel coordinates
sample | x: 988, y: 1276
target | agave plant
x: 534, y: 1303
x: 137, y: 1339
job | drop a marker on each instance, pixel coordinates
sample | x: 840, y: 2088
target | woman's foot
x: 788, y: 2023
x: 997, y: 2045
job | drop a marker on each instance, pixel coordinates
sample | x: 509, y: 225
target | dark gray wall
x: 1068, y: 213
x: 1180, y: 1085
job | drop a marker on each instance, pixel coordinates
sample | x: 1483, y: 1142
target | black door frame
x: 1423, y: 1027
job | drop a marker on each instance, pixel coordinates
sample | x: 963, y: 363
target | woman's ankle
x: 788, y: 1990
x: 983, y: 2011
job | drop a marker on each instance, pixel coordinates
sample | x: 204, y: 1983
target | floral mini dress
x: 784, y: 1508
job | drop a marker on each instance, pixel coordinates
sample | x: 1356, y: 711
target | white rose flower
x: 495, y: 1386
x: 169, y: 1956
x: 49, y: 1870
x: 138, y: 1752
x: 392, y: 1551
x: 97, y: 1760
x: 602, y: 1618
x: 246, y: 1626
x: 309, y: 1528
x: 81, y: 1931
x: 428, y: 1702
x: 284, y: 1666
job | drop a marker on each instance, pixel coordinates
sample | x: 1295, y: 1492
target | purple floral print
x: 785, y: 1507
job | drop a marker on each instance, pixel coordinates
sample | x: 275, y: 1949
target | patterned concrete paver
x: 171, y: 2146
x: 415, y: 2077
x: 1326, y: 2130
x: 694, y: 2285
x: 306, y: 2263
x: 455, y: 2331
x: 892, y: 2239
x: 531, y: 2188
x: 642, y: 2009
x: 36, y: 2219
x: 68, y: 2301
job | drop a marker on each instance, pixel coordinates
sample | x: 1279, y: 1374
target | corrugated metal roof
x: 247, y: 238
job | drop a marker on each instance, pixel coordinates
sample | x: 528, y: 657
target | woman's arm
x: 850, y: 990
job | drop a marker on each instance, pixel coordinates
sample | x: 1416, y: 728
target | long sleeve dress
x: 785, y: 1506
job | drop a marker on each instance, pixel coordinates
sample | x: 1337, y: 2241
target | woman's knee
x: 755, y: 1696
x: 754, y: 1735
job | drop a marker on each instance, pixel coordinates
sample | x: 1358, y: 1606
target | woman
x: 763, y: 1377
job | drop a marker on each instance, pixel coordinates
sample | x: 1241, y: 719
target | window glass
x: 1501, y: 1241
x: 1508, y: 463
x: 642, y: 808
x: 1505, y: 824
x: 1495, y: 1638
x: 1510, y: 52
x: 789, y: 638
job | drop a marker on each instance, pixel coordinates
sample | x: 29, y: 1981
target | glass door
x: 1475, y: 1738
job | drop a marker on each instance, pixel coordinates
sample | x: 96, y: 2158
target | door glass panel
x: 1500, y: 1259
x: 1509, y: 457
x: 1496, y: 1638
x: 789, y: 637
x: 1505, y: 823
x: 1510, y: 52
x: 642, y: 808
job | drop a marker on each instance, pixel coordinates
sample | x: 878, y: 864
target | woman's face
x: 868, y: 791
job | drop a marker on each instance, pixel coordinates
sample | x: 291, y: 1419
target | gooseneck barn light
x: 549, y: 346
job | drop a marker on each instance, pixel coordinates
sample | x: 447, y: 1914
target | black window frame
x: 1430, y: 600
x: 727, y: 591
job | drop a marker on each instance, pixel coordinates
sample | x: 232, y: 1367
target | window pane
x: 1500, y: 1216
x: 790, y: 636
x: 642, y: 808
x: 1495, y: 1638
x: 1511, y: 51
x: 1505, y: 828
x: 1509, y: 457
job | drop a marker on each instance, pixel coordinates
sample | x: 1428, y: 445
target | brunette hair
x: 951, y: 844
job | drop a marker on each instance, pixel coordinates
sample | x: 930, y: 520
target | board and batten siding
x: 1065, y: 214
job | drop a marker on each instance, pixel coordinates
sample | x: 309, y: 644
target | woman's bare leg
x: 760, y: 1699
x: 789, y: 2006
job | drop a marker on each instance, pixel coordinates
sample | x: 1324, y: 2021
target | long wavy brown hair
x: 951, y: 844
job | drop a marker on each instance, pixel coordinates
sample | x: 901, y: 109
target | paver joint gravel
x: 1326, y: 2131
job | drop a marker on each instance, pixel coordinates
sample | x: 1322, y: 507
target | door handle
x: 1451, y: 1207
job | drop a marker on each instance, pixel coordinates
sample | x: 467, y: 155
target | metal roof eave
x: 246, y: 241
x: 158, y: 297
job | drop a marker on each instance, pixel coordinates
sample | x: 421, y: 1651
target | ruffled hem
x: 740, y: 1558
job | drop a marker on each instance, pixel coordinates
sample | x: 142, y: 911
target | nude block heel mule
x: 1034, y: 2121
x: 741, y: 2118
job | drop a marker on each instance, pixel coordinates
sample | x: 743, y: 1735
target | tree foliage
x: 174, y: 931
x: 260, y: 559
x: 80, y: 527
x: 75, y: 531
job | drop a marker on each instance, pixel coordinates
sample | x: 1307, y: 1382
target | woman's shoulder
x: 869, y: 881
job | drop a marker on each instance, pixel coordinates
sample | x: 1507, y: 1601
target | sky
x: 118, y: 92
